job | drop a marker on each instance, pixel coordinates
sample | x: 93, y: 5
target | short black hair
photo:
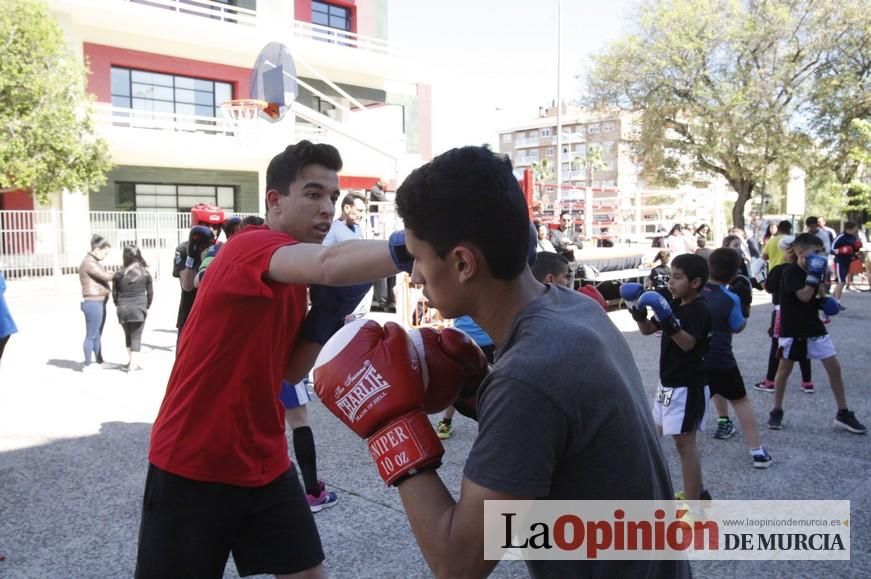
x: 286, y: 165
x: 807, y: 240
x: 812, y: 221
x: 850, y: 225
x: 729, y: 239
x: 469, y: 194
x: 548, y: 262
x: 350, y: 198
x: 694, y: 266
x: 252, y: 220
x: 724, y: 263
x: 785, y: 227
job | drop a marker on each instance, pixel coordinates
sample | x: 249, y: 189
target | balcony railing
x: 205, y: 9
x: 107, y: 115
x: 317, y: 32
x: 526, y: 142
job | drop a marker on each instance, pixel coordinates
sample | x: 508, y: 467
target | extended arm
x: 346, y: 263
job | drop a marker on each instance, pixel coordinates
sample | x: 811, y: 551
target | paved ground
x: 73, y: 449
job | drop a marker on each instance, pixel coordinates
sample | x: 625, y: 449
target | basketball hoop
x: 242, y: 114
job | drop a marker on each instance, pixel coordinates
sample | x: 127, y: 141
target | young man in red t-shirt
x: 219, y: 479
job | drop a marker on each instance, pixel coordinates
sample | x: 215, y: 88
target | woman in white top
x: 677, y: 242
x: 544, y: 243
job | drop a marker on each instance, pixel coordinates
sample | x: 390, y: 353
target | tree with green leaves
x: 543, y: 171
x: 47, y: 138
x: 591, y: 161
x: 720, y: 86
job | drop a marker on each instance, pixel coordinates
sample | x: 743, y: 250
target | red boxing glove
x: 369, y: 378
x: 592, y: 292
x: 451, y: 363
x: 857, y: 245
x: 845, y: 250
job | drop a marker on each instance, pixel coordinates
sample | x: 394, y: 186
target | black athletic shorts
x: 727, y: 382
x: 189, y: 528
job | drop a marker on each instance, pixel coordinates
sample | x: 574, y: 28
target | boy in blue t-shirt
x: 445, y: 428
x: 724, y: 378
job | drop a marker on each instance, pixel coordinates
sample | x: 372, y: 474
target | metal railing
x: 108, y: 115
x: 317, y: 32
x: 205, y: 9
x: 47, y: 242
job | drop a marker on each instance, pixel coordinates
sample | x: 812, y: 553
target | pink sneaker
x: 807, y: 387
x: 765, y: 386
x: 323, y: 500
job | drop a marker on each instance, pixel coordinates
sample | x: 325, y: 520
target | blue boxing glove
x: 816, y: 267
x: 830, y: 306
x: 398, y: 251
x: 661, y: 311
x: 741, y: 287
x: 330, y: 307
x: 200, y: 238
x: 630, y: 292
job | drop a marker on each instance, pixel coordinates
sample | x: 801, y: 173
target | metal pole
x: 559, y: 113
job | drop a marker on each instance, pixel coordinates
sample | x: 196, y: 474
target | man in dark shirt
x: 565, y: 240
x: 582, y: 398
x: 802, y: 334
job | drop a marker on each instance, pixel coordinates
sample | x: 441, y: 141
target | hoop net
x: 242, y: 115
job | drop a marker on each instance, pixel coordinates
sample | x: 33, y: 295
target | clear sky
x: 492, y: 63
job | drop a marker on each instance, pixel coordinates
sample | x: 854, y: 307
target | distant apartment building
x: 621, y: 201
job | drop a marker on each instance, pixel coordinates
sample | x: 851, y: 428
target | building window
x: 167, y: 93
x: 506, y: 138
x: 331, y: 16
x: 545, y: 132
x: 173, y: 198
x: 607, y: 127
x: 548, y: 152
x: 592, y: 129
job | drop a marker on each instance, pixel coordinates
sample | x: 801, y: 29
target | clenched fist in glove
x: 370, y: 379
x: 200, y: 238
x: 452, y: 366
x: 631, y: 292
x: 742, y: 288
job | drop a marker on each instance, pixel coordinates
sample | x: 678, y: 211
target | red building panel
x: 102, y: 58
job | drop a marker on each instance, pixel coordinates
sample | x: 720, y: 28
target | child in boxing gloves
x: 682, y: 395
x: 730, y: 308
x: 803, y: 335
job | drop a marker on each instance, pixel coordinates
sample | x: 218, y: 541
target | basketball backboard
x: 273, y: 81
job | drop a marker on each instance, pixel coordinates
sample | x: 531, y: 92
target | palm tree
x: 543, y: 171
x: 592, y: 161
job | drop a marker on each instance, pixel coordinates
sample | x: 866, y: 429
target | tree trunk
x: 744, y: 188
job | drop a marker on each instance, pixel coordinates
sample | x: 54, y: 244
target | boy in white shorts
x: 682, y: 396
x: 802, y: 334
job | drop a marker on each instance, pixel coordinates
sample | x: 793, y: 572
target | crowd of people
x: 281, y: 299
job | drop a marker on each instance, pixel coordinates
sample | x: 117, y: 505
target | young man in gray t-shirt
x: 562, y: 414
